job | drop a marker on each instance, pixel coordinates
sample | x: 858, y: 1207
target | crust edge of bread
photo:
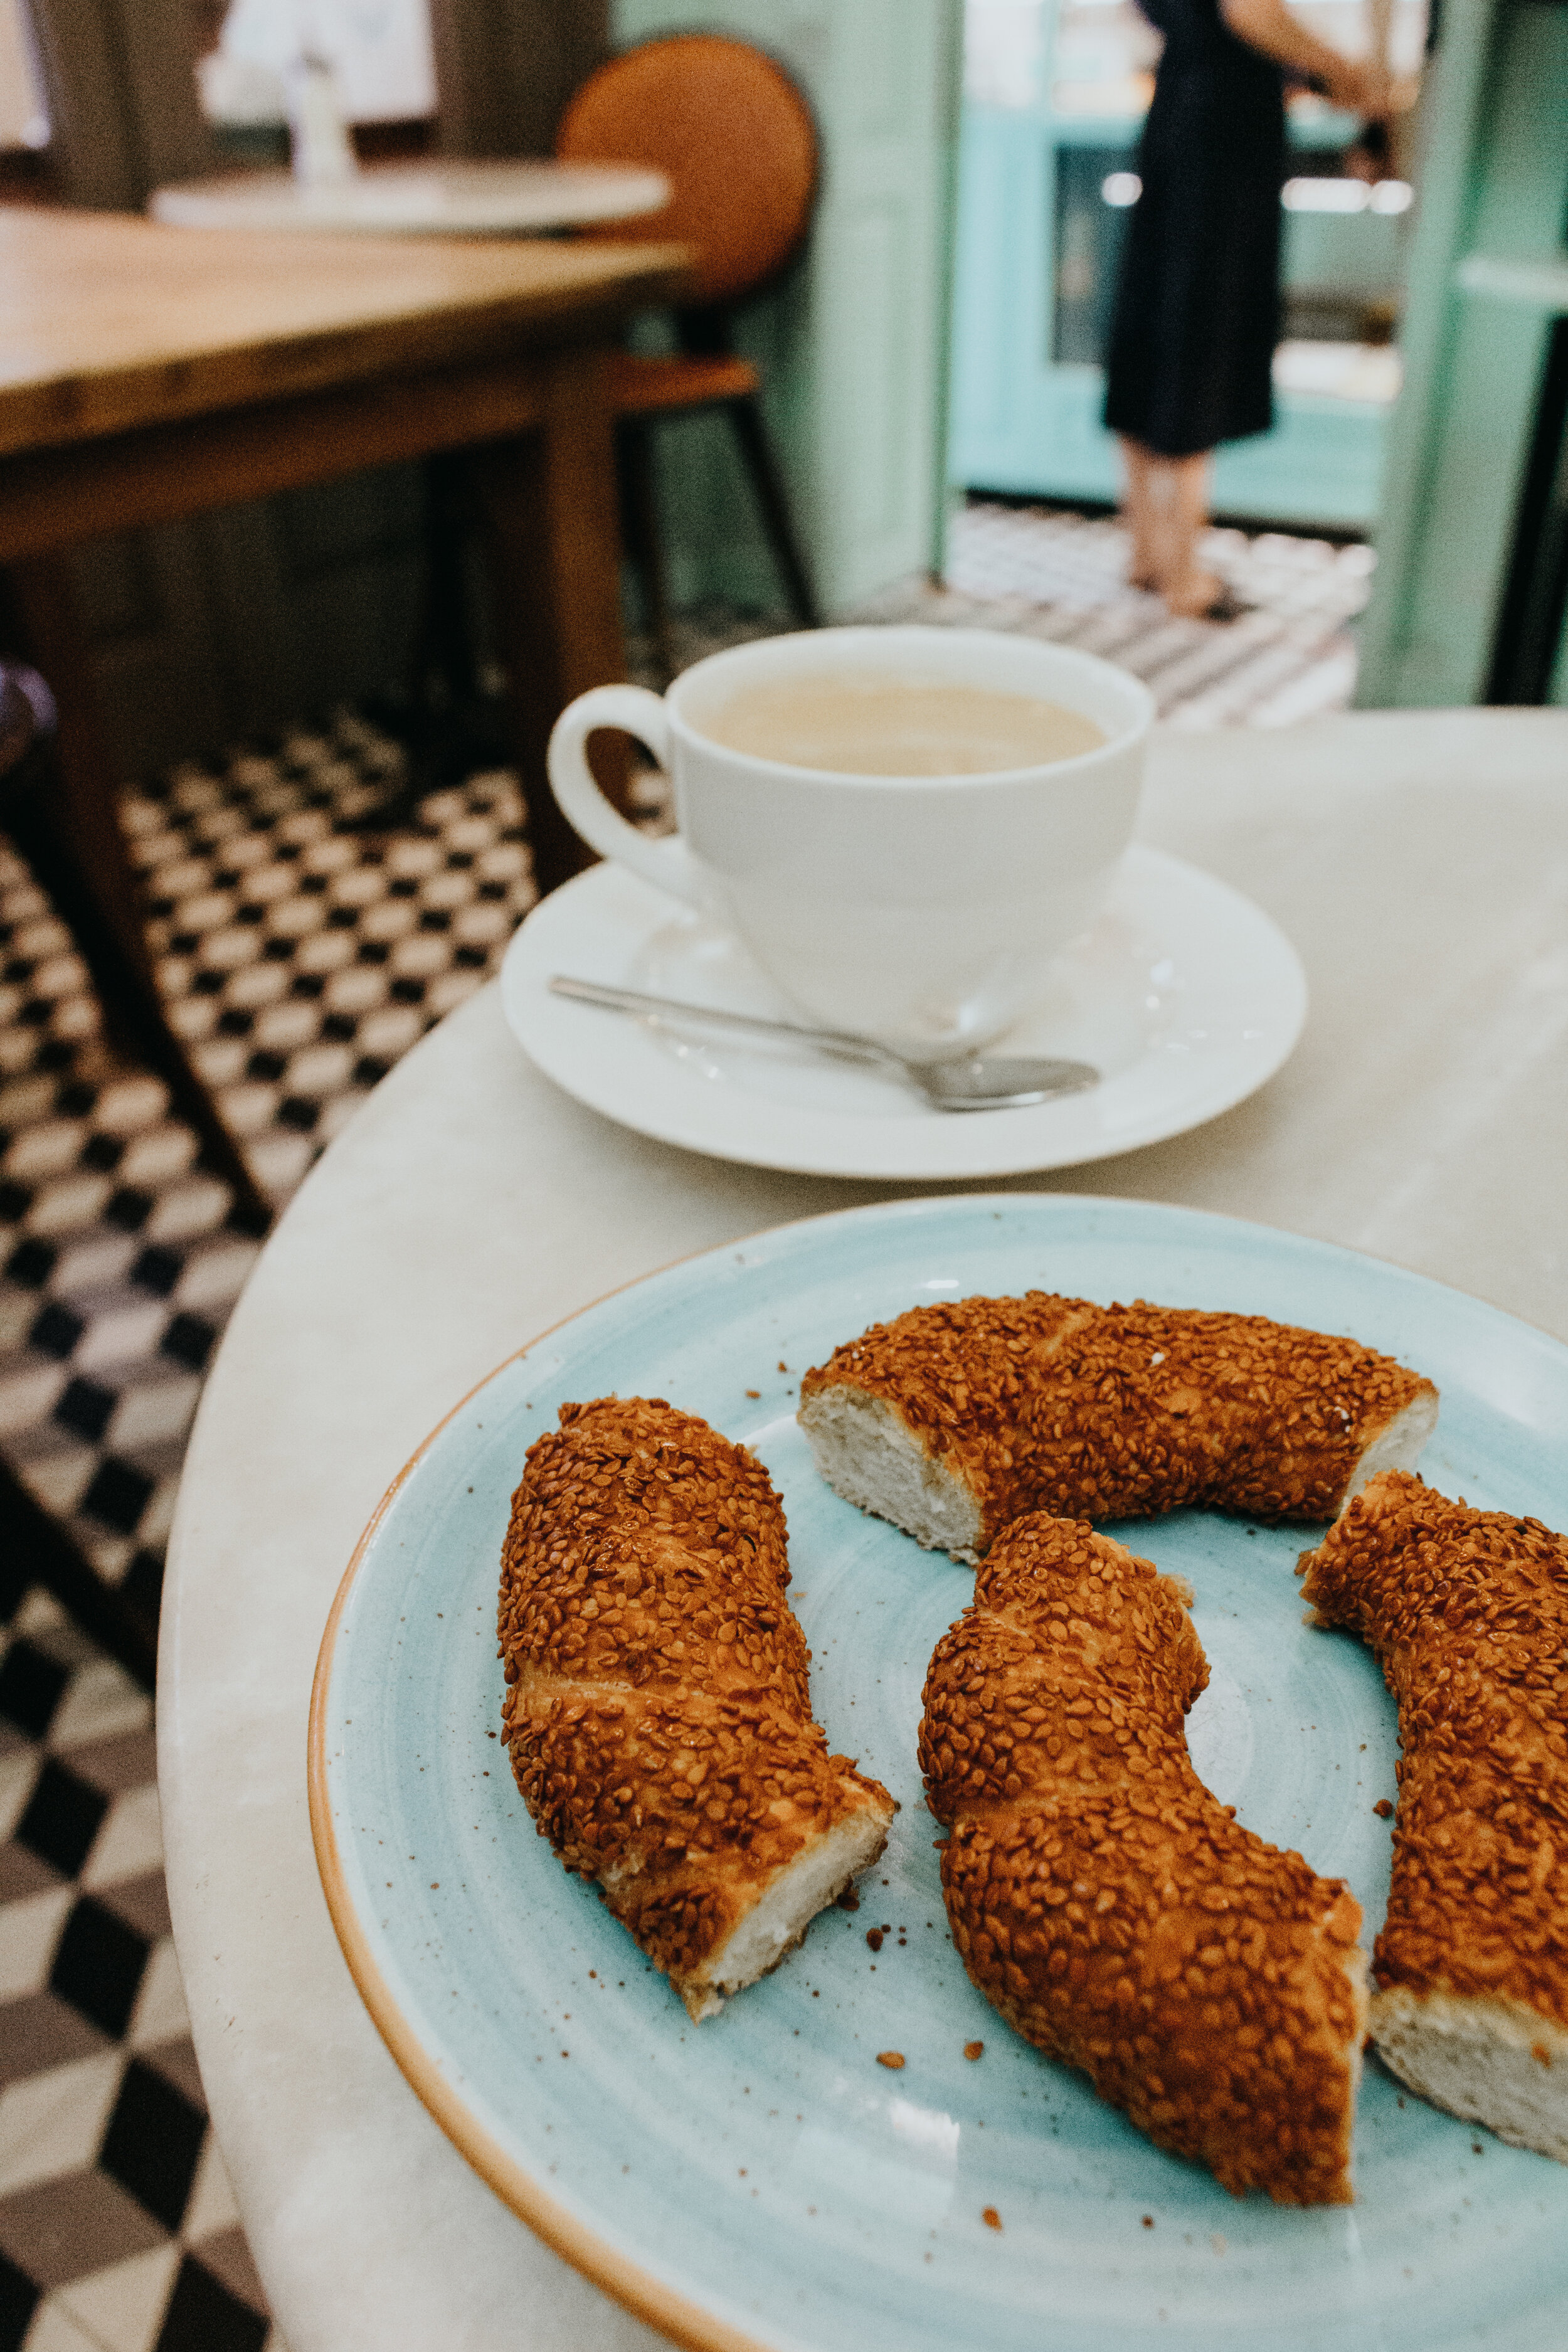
x: 725, y: 1899
x: 1334, y: 1931
x: 1496, y: 2063
x: 769, y: 1929
x: 868, y: 1452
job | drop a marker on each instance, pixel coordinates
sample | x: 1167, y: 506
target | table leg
x: 74, y: 841
x: 548, y: 500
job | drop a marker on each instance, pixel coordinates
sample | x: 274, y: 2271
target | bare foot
x: 1190, y: 597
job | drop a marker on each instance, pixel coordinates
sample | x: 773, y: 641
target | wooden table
x: 1419, y: 861
x: 148, y: 373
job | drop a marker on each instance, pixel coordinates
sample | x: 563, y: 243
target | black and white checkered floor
x: 118, y: 2229
x: 303, y: 956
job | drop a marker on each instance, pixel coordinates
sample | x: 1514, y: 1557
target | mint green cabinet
x: 853, y: 346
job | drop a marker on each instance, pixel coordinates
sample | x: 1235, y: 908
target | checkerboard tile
x: 118, y: 2229
x: 299, y: 957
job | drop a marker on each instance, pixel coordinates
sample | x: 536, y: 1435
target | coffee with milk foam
x: 874, y: 725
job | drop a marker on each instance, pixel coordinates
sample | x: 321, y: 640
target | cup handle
x: 669, y: 864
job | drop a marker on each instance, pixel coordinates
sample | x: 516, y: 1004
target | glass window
x: 23, y: 122
x: 379, y: 51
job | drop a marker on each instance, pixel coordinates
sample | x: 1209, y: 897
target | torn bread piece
x: 1466, y: 1613
x: 1211, y: 1986
x: 658, y: 1708
x: 954, y: 1419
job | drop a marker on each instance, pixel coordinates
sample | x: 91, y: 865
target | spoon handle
x: 842, y: 1046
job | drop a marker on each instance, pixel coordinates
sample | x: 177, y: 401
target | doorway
x: 1055, y: 92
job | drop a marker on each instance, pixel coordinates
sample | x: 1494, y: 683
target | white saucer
x: 1183, y: 993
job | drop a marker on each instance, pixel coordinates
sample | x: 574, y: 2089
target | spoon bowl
x: 999, y: 1081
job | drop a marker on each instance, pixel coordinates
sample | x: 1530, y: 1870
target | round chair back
x: 731, y: 132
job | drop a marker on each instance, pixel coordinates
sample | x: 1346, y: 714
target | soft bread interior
x: 1399, y: 1444
x: 788, y: 1905
x: 1494, y: 2063
x: 867, y: 1452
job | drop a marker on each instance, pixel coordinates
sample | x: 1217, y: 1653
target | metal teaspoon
x: 978, y: 1082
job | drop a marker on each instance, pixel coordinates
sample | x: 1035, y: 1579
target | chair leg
x: 449, y: 729
x: 640, y: 509
x: 447, y: 636
x: 68, y: 828
x: 44, y: 1554
x: 757, y: 451
x: 551, y: 532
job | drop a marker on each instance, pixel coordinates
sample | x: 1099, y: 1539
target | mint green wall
x: 1494, y: 186
x: 853, y: 346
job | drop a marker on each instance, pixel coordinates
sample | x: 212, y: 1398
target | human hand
x: 1362, y: 89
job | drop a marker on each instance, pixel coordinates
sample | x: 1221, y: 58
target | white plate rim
x: 977, y: 1145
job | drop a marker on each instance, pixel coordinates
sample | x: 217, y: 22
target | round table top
x: 1420, y: 863
x: 420, y: 199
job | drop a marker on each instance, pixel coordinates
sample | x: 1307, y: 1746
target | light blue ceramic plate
x: 760, y: 2180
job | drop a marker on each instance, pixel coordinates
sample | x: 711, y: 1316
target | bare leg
x: 1141, y: 510
x: 1188, y: 590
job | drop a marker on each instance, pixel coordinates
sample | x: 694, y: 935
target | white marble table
x: 419, y: 199
x: 1420, y: 863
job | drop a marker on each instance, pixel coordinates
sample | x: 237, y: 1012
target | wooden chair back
x: 732, y: 134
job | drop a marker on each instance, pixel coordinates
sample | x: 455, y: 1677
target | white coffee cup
x: 921, y: 911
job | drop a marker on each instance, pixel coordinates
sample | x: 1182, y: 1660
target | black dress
x: 1197, y: 306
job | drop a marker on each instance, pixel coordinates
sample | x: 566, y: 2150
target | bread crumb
x: 990, y: 2216
x: 893, y: 2058
x: 754, y: 1392
x: 1383, y: 1809
x: 874, y: 1937
x: 973, y: 2048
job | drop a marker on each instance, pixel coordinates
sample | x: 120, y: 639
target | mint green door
x: 853, y: 346
x: 1488, y: 281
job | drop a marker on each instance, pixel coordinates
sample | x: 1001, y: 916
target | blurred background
x: 939, y: 341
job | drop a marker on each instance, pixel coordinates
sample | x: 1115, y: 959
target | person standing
x: 1197, y: 309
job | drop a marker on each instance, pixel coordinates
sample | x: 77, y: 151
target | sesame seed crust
x: 1051, y: 1403
x: 1466, y: 1613
x: 1210, y: 1985
x: 658, y: 1707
